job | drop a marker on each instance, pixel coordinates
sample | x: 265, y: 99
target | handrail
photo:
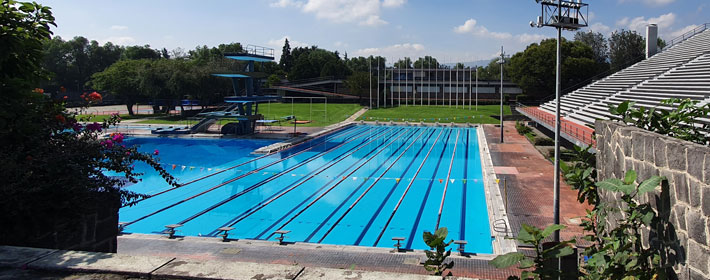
x: 307, y: 80
x: 566, y: 127
x: 259, y: 50
x: 686, y: 36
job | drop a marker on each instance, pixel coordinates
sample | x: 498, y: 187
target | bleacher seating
x: 681, y: 71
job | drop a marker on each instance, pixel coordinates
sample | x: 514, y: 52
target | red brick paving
x: 530, y: 192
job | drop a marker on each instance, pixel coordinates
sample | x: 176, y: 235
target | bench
x: 282, y: 236
x: 170, y: 230
x: 224, y: 233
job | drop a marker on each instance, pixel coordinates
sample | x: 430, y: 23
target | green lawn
x: 274, y: 111
x: 442, y: 114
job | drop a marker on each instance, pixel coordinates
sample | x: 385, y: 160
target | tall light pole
x: 502, y: 61
x: 476, y: 87
x: 369, y: 60
x: 570, y: 15
x: 378, y: 82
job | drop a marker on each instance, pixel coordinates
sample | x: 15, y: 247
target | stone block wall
x: 686, y: 166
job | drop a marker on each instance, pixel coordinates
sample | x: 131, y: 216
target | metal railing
x: 573, y: 130
x: 259, y: 50
x: 628, y: 63
x: 686, y: 36
x: 307, y: 80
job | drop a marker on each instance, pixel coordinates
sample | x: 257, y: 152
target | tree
x: 598, y: 44
x: 534, y: 69
x: 427, y: 61
x: 140, y: 52
x: 358, y: 83
x: 53, y: 166
x: 625, y: 48
x: 71, y: 63
x: 459, y: 65
x: 405, y: 63
x: 123, y: 79
x: 661, y: 43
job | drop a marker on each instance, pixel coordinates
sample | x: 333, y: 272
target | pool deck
x: 529, y: 180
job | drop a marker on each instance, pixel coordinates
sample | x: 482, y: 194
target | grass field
x: 442, y: 114
x: 275, y: 111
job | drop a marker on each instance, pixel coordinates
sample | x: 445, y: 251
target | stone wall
x: 686, y: 166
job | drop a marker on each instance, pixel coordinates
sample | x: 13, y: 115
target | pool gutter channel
x: 494, y: 201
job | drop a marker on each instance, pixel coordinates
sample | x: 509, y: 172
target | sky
x: 450, y: 30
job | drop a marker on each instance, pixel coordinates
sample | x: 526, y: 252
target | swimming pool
x: 361, y: 185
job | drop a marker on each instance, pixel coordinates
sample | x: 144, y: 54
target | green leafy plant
x: 543, y: 141
x: 679, y: 123
x: 618, y: 251
x: 55, y: 164
x: 436, y: 260
x: 543, y: 256
x: 581, y: 174
x: 522, y: 128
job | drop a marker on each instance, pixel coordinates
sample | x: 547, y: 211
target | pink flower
x: 117, y: 137
x: 108, y: 143
x: 128, y: 153
x: 156, y: 152
x: 77, y: 127
x: 94, y: 127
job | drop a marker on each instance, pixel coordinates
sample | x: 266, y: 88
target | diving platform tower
x: 243, y: 106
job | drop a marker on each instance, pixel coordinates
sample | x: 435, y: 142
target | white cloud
x: 119, y: 27
x: 651, y: 2
x: 363, y: 12
x: 638, y: 24
x: 119, y: 40
x: 471, y: 26
x: 286, y: 3
x: 393, y: 3
x: 394, y: 52
x: 679, y: 32
x: 601, y: 28
x: 526, y: 38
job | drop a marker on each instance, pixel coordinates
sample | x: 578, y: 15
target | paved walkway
x: 189, y: 259
x: 529, y: 180
x: 301, y: 254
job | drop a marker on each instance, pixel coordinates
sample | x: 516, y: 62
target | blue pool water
x: 362, y: 185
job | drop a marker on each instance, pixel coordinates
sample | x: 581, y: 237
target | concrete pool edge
x: 502, y: 244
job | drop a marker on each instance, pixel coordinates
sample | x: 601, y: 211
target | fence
x: 572, y: 129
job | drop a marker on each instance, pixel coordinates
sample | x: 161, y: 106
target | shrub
x: 543, y: 141
x: 436, y: 260
x: 522, y: 128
